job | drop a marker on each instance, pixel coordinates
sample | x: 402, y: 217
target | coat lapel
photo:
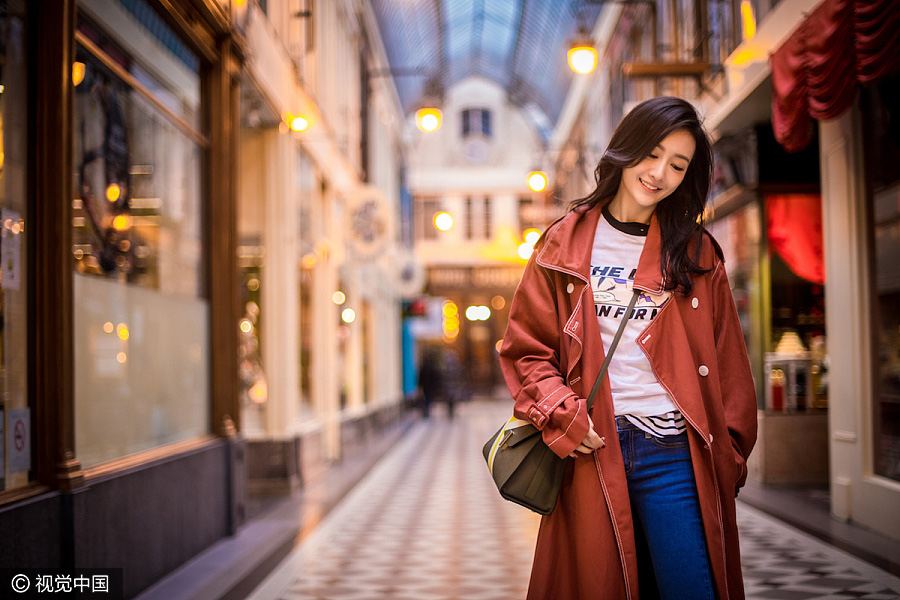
x: 568, y: 249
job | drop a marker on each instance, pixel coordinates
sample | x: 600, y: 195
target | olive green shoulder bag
x: 524, y: 469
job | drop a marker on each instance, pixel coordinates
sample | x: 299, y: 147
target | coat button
x: 570, y: 288
x: 695, y: 303
x: 703, y: 370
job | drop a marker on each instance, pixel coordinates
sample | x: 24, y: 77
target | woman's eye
x: 651, y: 156
x: 677, y: 168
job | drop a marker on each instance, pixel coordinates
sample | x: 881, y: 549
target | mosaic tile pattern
x: 781, y: 563
x: 428, y: 512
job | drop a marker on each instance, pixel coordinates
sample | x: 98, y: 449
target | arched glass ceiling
x: 520, y: 44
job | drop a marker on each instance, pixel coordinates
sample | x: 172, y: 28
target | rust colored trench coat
x: 551, y: 355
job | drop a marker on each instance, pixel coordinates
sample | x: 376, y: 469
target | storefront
x: 119, y: 356
x: 822, y: 78
x: 766, y: 213
x: 470, y: 318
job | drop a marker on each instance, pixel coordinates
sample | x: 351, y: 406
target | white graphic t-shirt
x: 635, y: 389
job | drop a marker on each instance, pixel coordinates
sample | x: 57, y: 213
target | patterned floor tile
x: 426, y: 523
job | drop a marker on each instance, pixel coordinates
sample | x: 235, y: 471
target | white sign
x: 19, y: 440
x: 10, y: 249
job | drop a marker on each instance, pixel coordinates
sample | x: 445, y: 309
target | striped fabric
x: 670, y: 423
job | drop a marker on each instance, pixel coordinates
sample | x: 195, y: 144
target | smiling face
x: 645, y: 184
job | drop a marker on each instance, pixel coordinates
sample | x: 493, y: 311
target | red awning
x: 816, y: 71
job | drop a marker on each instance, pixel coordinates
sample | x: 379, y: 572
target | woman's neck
x: 629, y: 212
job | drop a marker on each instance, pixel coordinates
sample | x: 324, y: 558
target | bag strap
x: 612, y: 348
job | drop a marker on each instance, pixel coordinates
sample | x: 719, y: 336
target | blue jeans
x: 666, y: 512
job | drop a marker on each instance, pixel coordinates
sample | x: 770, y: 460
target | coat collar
x: 568, y: 248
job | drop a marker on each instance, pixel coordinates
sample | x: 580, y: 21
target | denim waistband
x: 623, y: 423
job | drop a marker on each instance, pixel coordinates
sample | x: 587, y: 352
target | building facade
x: 319, y: 238
x: 199, y: 293
x: 474, y: 169
x: 120, y: 348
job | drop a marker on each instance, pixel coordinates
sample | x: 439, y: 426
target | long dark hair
x: 680, y: 215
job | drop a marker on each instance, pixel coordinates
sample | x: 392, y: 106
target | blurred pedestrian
x: 431, y: 380
x: 646, y: 508
x: 456, y: 386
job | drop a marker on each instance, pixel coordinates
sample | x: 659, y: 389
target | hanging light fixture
x: 582, y: 54
x: 428, y: 119
x: 429, y: 116
x: 582, y: 57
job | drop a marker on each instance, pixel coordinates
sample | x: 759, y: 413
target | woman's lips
x: 648, y: 187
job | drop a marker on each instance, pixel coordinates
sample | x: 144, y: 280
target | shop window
x: 141, y: 314
x: 369, y: 364
x: 308, y: 264
x: 739, y: 235
x: 15, y: 417
x: 882, y: 153
x: 254, y: 386
x: 796, y: 362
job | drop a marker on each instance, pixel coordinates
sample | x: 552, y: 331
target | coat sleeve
x: 735, y: 377
x: 530, y: 361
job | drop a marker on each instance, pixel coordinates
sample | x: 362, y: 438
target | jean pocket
x: 670, y: 441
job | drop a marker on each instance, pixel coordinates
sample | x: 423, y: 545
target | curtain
x: 794, y: 227
x: 816, y: 71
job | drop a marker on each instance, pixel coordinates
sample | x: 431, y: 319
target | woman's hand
x: 592, y: 441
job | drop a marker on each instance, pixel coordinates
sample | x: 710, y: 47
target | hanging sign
x: 409, y: 274
x: 19, y: 437
x: 369, y: 221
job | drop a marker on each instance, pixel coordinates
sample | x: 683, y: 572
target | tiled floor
x: 428, y: 513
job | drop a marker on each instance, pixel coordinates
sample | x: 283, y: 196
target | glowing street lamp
x: 428, y: 119
x: 537, y: 181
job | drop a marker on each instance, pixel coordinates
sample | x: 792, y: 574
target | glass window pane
x: 140, y: 312
x: 881, y: 113
x: 887, y: 332
x: 486, y: 122
x: 15, y: 421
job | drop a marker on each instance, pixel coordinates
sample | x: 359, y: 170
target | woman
x: 646, y: 507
